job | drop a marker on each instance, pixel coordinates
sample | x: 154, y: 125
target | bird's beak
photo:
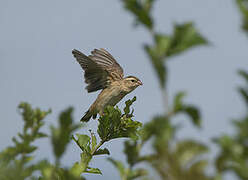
x: 140, y: 83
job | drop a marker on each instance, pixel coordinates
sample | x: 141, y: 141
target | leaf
x: 132, y: 152
x: 243, y: 74
x: 118, y: 165
x: 185, y: 36
x: 113, y: 124
x: 162, y: 44
x: 137, y: 173
x: 102, y: 151
x: 199, y: 166
x: 83, y: 141
x: 61, y: 135
x: 241, y: 127
x: 188, y: 151
x: 244, y: 94
x: 161, y: 129
x: 141, y: 10
x: 242, y: 4
x: 76, y: 169
x: 194, y: 113
x: 157, y: 63
x: 128, y: 104
x: 178, y: 101
x: 109, y: 123
x: 41, y: 135
x: 93, y: 170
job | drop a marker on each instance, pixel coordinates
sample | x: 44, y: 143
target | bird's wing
x: 100, y: 68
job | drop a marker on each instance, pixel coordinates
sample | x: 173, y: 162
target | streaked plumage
x: 101, y: 71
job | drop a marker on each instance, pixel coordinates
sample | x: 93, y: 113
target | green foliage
x: 242, y: 4
x: 192, y: 111
x: 132, y: 152
x: 180, y: 160
x: 89, y: 147
x: 141, y: 10
x: 113, y: 124
x: 33, y: 121
x: 18, y: 159
x: 61, y: 135
x: 234, y: 149
x: 17, y: 162
x: 127, y: 173
x: 157, y: 63
x: 244, y: 90
x: 184, y: 37
x: 183, y: 159
x: 161, y: 128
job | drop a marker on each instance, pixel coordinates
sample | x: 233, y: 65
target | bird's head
x: 130, y: 83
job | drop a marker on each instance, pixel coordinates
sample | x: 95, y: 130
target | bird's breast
x: 110, y: 96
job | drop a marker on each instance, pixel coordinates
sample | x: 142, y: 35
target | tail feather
x: 86, y: 117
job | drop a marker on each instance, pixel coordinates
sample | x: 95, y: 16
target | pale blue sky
x: 36, y: 64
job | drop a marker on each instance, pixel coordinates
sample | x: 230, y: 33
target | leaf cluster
x: 61, y: 135
x: 184, y: 37
x: 18, y: 162
x: 242, y: 4
x: 112, y: 124
x: 234, y: 148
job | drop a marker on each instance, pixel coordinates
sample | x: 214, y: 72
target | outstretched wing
x: 100, y: 68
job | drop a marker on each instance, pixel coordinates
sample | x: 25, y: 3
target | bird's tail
x: 86, y: 117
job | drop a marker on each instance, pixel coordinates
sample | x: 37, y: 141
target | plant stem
x: 97, y: 147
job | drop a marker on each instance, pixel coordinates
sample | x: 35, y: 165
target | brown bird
x: 101, y: 71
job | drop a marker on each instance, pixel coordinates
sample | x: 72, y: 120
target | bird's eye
x: 133, y: 80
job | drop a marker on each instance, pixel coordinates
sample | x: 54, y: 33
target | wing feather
x: 100, y: 68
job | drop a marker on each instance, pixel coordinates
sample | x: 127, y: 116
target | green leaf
x: 132, y: 152
x: 244, y: 75
x: 76, y: 169
x: 141, y: 10
x: 61, y: 135
x: 185, y: 36
x: 41, y: 135
x: 178, y: 101
x: 119, y: 165
x: 188, y: 151
x: 128, y: 104
x: 137, y: 173
x: 199, y: 166
x: 244, y: 94
x: 113, y: 124
x: 102, y: 151
x: 242, y: 4
x: 241, y: 127
x: 93, y: 170
x: 157, y: 63
x: 162, y: 44
x: 83, y: 141
x: 161, y: 129
x: 194, y: 113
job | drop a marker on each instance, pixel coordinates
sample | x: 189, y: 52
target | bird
x: 102, y: 72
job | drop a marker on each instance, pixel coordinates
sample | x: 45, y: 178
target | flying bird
x: 102, y: 72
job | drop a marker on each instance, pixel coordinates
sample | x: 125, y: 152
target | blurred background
x: 36, y: 65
